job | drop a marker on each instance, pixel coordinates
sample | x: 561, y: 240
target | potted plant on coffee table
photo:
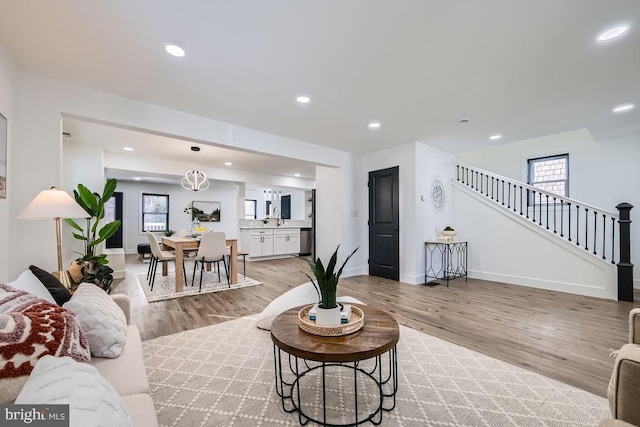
x: 326, y: 284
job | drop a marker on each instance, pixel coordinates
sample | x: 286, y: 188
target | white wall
x: 36, y: 157
x: 8, y: 96
x: 179, y: 198
x: 431, y: 164
x: 419, y: 164
x: 602, y: 173
x: 508, y: 248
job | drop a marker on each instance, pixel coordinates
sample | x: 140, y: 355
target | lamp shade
x: 53, y: 203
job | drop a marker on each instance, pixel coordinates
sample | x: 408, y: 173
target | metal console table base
x: 453, y: 261
x: 384, y: 374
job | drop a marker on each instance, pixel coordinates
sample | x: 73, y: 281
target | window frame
x: 143, y: 213
x: 255, y: 208
x: 531, y: 170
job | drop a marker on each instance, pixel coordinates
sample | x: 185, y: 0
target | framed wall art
x: 205, y: 211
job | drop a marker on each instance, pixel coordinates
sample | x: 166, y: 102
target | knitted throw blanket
x: 30, y: 328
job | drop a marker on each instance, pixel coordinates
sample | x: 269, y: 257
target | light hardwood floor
x: 562, y: 336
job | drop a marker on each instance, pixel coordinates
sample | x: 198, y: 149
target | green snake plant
x: 326, y: 282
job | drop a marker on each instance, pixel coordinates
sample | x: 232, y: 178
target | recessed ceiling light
x: 303, y: 99
x: 174, y: 50
x: 623, y: 108
x: 494, y: 137
x: 137, y: 179
x: 613, y: 33
x: 228, y: 163
x: 127, y: 148
x: 297, y: 175
x: 374, y: 125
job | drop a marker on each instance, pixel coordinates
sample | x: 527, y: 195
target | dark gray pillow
x: 53, y: 285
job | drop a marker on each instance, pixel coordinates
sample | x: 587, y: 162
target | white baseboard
x: 572, y: 288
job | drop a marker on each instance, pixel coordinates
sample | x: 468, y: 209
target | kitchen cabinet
x: 261, y: 243
x: 266, y: 242
x: 286, y: 241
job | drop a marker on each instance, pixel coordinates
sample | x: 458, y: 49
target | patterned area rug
x: 164, y: 287
x: 223, y: 375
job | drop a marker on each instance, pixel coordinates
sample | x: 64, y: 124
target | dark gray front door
x: 384, y: 224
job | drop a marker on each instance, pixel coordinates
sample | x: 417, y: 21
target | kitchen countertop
x: 254, y: 227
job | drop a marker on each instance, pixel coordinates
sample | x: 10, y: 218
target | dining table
x: 182, y: 244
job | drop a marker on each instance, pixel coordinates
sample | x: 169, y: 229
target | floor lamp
x: 55, y: 204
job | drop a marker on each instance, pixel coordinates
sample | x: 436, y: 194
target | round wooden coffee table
x: 309, y: 366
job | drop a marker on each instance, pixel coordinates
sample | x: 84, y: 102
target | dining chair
x: 213, y: 248
x: 158, y: 254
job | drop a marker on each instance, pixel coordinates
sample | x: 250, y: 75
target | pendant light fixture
x: 195, y: 180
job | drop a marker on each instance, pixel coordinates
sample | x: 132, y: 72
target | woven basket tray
x: 355, y: 324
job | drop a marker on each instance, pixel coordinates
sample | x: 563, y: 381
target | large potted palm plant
x: 326, y: 283
x: 90, y: 267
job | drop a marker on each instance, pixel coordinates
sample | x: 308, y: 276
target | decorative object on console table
x: 55, y: 204
x: 90, y: 267
x: 328, y: 313
x: 446, y: 235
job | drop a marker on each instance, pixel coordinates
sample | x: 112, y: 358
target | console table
x: 312, y: 372
x: 445, y: 260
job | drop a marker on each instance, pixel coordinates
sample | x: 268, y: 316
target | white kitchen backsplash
x: 257, y: 223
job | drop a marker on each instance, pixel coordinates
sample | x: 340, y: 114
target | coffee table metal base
x: 384, y: 374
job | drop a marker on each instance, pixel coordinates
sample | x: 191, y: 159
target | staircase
x: 602, y: 234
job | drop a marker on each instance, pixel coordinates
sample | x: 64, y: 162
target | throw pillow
x: 300, y: 295
x: 93, y: 402
x: 102, y: 321
x: 31, y: 328
x: 53, y: 285
x: 28, y: 282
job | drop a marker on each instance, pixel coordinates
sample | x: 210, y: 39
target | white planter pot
x: 328, y: 317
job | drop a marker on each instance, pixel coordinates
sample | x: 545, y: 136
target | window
x: 250, y: 209
x: 550, y: 174
x: 155, y: 212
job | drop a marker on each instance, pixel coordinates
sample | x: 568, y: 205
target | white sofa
x: 127, y: 374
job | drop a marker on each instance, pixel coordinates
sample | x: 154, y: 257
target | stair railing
x: 586, y: 226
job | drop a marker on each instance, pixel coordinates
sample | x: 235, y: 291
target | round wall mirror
x: 437, y: 193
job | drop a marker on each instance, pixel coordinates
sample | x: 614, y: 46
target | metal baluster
x: 561, y: 217
x: 476, y: 180
x: 527, y: 203
x: 481, y: 181
x: 534, y: 205
x: 547, y: 196
x: 554, y: 216
x: 586, y: 229
x: 569, y: 212
x: 458, y: 172
x: 502, y: 191
x: 540, y: 210
x: 595, y: 230
x: 515, y: 197
x: 613, y: 239
x: 577, y: 225
x: 508, y: 197
x: 521, y: 200
x: 486, y: 187
x: 491, y: 188
x: 604, y: 234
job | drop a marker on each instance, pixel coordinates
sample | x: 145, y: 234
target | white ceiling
x: 521, y: 68
x: 147, y: 145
